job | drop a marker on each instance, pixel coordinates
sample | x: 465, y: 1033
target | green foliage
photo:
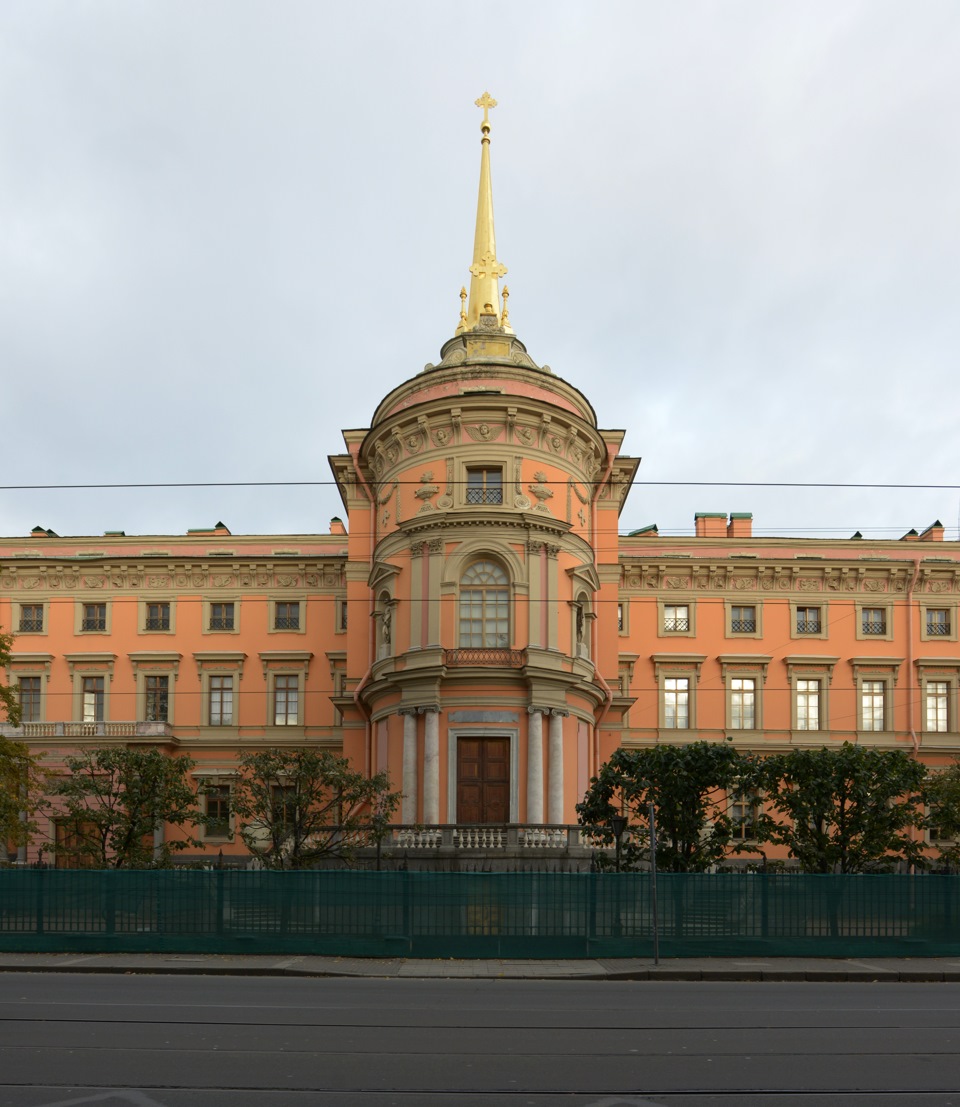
x: 297, y: 806
x: 845, y: 810
x: 22, y: 787
x: 689, y: 786
x: 113, y: 798
x: 8, y: 697
x: 943, y: 796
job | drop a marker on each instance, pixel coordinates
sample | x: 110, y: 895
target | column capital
x: 538, y: 710
x: 428, y: 709
x: 407, y: 710
x: 559, y: 712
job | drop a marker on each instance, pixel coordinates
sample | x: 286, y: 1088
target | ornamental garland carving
x: 873, y: 584
x: 808, y: 584
x: 677, y: 582
x: 446, y: 500
x: 938, y: 586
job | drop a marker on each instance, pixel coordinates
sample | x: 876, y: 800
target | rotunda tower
x: 483, y: 503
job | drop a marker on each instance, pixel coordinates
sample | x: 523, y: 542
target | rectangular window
x: 743, y: 619
x: 74, y: 844
x: 283, y: 805
x: 937, y: 705
x: 873, y: 620
x: 286, y: 700
x: 676, y: 617
x: 484, y: 486
x: 287, y: 616
x: 92, y: 691
x: 873, y: 705
x: 743, y: 817
x: 808, y: 705
x: 342, y: 614
x: 94, y: 616
x: 158, y: 616
x: 157, y: 694
x: 29, y: 692
x: 31, y: 618
x: 217, y: 809
x: 620, y: 617
x: 743, y: 703
x: 676, y: 702
x: 938, y: 622
x: 221, y: 616
x: 808, y: 620
x: 221, y: 701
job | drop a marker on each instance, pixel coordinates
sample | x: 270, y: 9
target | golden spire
x: 486, y: 270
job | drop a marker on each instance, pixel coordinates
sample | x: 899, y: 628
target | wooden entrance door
x: 483, y: 780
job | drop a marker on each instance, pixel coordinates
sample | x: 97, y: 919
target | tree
x: 22, y: 787
x: 297, y: 806
x: 689, y: 787
x: 847, y: 810
x: 114, y: 798
x: 943, y: 797
x: 8, y: 697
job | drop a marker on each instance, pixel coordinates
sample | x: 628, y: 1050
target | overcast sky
x: 229, y: 227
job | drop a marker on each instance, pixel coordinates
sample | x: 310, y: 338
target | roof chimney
x: 336, y: 525
x: 740, y: 525
x: 933, y: 533
x: 710, y: 524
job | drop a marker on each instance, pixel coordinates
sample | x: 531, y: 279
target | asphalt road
x: 158, y: 1041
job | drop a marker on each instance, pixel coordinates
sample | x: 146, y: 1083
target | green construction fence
x: 529, y: 915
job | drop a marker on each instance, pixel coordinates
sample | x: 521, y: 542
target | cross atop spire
x: 486, y: 102
x: 486, y: 270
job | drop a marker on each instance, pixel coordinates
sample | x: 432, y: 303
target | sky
x: 229, y: 227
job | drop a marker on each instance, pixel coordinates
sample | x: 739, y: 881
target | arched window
x: 484, y: 607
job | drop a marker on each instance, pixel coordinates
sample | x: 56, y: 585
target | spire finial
x: 486, y: 102
x: 486, y: 270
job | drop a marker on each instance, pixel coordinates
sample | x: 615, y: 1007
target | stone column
x: 555, y: 768
x: 431, y: 765
x: 408, y: 805
x: 535, y: 765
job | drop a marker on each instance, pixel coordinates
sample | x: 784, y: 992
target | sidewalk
x: 713, y: 968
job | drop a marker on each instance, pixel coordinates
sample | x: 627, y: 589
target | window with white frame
x: 484, y: 606
x: 676, y: 703
x: 676, y: 618
x: 92, y: 698
x: 743, y: 703
x: 937, y: 705
x: 808, y: 703
x: 286, y: 700
x: 157, y: 616
x: 873, y: 704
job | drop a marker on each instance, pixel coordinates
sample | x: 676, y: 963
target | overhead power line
x: 332, y: 483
